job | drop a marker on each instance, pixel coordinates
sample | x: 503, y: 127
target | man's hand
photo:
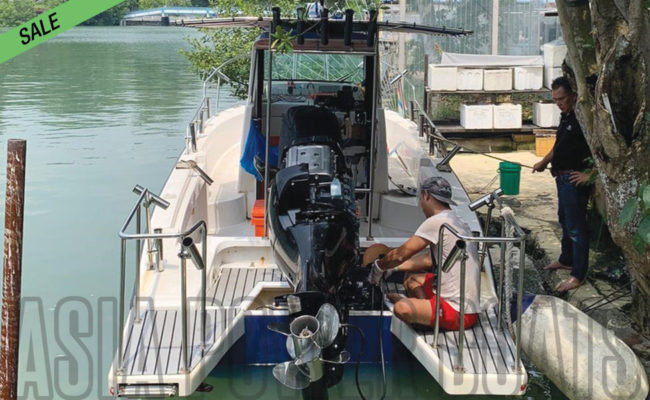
x: 375, y: 274
x: 578, y: 178
x: 540, y: 166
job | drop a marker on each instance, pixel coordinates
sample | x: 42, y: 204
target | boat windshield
x: 317, y: 67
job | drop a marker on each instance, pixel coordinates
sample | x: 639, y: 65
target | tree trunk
x: 610, y: 64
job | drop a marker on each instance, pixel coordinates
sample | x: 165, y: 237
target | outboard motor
x: 313, y: 226
x: 314, y: 233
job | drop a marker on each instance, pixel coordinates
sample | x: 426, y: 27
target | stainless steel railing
x: 187, y: 250
x: 204, y: 110
x: 460, y: 253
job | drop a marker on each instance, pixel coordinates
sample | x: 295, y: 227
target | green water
x: 103, y: 109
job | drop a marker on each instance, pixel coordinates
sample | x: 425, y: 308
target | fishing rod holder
x: 443, y: 165
x: 153, y: 254
x: 459, y: 254
x: 191, y: 164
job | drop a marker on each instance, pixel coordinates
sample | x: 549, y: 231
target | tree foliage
x: 15, y: 12
x: 220, y: 45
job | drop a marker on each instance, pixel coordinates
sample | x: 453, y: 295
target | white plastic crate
x: 550, y: 73
x: 546, y: 115
x: 497, y: 79
x: 442, y: 78
x: 476, y: 116
x: 469, y: 79
x: 528, y: 78
x: 554, y: 54
x: 506, y: 116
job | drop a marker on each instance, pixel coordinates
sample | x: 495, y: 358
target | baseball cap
x: 439, y: 188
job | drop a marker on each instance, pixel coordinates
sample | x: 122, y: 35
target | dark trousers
x: 572, y: 212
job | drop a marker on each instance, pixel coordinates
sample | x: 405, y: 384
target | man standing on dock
x: 569, y: 157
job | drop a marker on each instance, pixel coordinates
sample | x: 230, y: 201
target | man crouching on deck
x: 419, y: 306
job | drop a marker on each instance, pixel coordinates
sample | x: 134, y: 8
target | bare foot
x: 394, y: 297
x: 556, y: 265
x: 568, y: 284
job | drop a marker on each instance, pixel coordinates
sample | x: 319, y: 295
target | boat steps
x: 153, y: 361
x: 488, y: 359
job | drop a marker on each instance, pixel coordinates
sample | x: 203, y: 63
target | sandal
x: 569, y: 284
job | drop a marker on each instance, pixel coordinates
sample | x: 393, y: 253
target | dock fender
x: 584, y: 359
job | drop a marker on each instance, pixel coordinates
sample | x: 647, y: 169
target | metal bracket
x: 444, y: 164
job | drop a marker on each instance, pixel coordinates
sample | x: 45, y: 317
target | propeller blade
x: 328, y: 317
x: 307, y: 350
x: 290, y: 376
x: 290, y: 348
x: 307, y: 354
x: 342, y: 358
x: 279, y: 327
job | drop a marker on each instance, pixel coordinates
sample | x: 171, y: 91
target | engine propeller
x: 307, y: 336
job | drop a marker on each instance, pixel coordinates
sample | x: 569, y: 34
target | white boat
x: 209, y: 282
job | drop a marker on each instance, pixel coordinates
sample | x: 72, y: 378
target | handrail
x: 521, y: 239
x: 220, y: 75
x: 186, y: 251
x: 204, y: 110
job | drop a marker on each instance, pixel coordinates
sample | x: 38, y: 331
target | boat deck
x: 152, y: 347
x: 153, y: 352
x: 488, y: 359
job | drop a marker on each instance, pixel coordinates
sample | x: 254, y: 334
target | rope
x: 489, y: 184
x: 438, y: 136
x: 494, y: 157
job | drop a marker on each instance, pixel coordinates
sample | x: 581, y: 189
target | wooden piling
x: 12, y: 265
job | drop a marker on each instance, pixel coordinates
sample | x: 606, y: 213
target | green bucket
x: 509, y: 174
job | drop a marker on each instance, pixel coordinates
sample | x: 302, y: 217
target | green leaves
x: 218, y: 46
x: 283, y: 40
x: 642, y: 200
x: 629, y: 209
x: 638, y: 243
x: 644, y: 230
x: 645, y: 195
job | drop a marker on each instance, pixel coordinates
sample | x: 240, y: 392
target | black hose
x: 381, y: 346
x: 361, y: 350
x: 381, y: 351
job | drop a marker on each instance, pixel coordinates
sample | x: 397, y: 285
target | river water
x: 103, y: 109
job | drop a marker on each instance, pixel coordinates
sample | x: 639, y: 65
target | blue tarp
x: 256, y: 146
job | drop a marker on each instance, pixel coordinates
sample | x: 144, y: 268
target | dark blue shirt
x: 570, y: 151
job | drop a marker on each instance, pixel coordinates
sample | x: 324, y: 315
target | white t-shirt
x: 450, y: 281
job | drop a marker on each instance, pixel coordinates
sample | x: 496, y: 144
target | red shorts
x: 449, y: 317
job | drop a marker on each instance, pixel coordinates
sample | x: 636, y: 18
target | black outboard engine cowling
x: 314, y: 228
